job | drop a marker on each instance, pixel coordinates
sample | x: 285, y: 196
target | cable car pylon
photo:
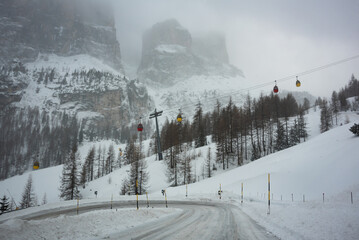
x: 155, y: 115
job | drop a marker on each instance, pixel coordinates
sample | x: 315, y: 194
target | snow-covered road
x: 183, y: 220
x: 199, y: 220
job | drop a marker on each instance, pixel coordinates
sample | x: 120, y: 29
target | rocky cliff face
x: 13, y: 81
x: 90, y: 94
x: 170, y: 54
x: 36, y: 30
x: 61, y: 81
x: 43, y: 110
x: 62, y: 27
x: 117, y: 102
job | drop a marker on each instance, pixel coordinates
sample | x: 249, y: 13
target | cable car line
x: 265, y: 84
x: 319, y: 68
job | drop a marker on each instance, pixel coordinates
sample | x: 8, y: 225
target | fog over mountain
x: 171, y: 55
x: 64, y: 28
x: 267, y: 40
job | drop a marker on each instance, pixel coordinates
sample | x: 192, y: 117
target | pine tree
x: 28, y: 196
x: 208, y: 164
x: 87, y: 173
x: 110, y: 160
x: 294, y: 134
x: 221, y: 141
x: 81, y: 134
x: 143, y: 176
x: 302, y: 125
x: 325, y: 117
x: 98, y: 160
x: 335, y: 104
x: 4, y: 204
x: 343, y: 101
x: 91, y: 159
x: 280, y: 142
x: 119, y: 159
x: 264, y: 119
x: 129, y: 151
x: 199, y: 128
x: 103, y: 161
x: 70, y: 179
x: 138, y: 171
x: 172, y: 162
x: 84, y: 172
x: 125, y: 187
x: 355, y: 129
x: 184, y: 169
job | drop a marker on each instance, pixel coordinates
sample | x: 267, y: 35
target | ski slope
x: 326, y: 163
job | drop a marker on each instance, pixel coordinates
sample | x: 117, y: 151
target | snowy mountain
x: 43, y: 97
x: 65, y: 72
x: 64, y: 28
x: 169, y: 55
x: 65, y: 76
x: 324, y: 166
x: 180, y: 70
x: 62, y: 82
x: 60, y: 62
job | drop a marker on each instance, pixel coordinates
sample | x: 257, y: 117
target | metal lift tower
x: 155, y: 115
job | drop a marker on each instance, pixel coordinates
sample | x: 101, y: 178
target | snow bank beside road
x: 95, y: 224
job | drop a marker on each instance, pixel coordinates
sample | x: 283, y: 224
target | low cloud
x: 266, y: 39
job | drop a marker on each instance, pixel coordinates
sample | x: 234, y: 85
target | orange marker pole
x: 268, y: 194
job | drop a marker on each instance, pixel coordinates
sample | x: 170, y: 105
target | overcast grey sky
x: 267, y: 39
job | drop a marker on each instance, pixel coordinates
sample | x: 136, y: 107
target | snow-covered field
x: 326, y: 163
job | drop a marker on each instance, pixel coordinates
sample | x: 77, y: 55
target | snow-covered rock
x: 63, y: 28
x: 170, y: 55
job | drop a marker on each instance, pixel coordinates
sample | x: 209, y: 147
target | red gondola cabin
x: 139, y: 127
x: 275, y: 89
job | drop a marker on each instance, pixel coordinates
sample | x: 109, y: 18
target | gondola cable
x: 251, y: 88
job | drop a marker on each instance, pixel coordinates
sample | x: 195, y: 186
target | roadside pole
x: 137, y: 193
x: 148, y: 203
x: 268, y: 193
x: 166, y: 198
x: 242, y: 193
x: 220, y: 191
